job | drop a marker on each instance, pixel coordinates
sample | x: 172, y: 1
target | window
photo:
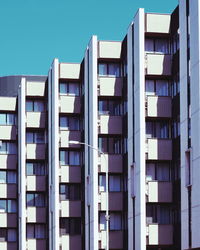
x: 102, y: 221
x: 115, y: 221
x: 158, y: 171
x: 110, y: 145
x: 70, y: 123
x: 7, y: 234
x: 8, y: 206
x: 35, y: 137
x: 35, y: 231
x: 8, y: 148
x: 109, y: 107
x: 70, y: 192
x: 175, y: 85
x: 70, y: 158
x: 70, y: 88
x: 175, y: 43
x: 115, y: 183
x: 8, y: 176
x: 35, y: 200
x: 159, y: 45
x: 157, y: 129
x: 161, y: 214
x: 70, y: 226
x: 157, y: 87
x: 7, y: 119
x: 35, y: 168
x: 34, y: 106
x: 102, y: 183
x: 109, y: 69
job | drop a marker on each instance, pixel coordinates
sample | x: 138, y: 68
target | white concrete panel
x: 110, y: 86
x: 109, y: 49
x: 35, y: 88
x: 158, y: 64
x: 31, y: 214
x: 7, y: 132
x: 70, y: 70
x: 35, y: 120
x: 31, y: 244
x: 8, y: 103
x: 158, y: 23
x: 3, y: 219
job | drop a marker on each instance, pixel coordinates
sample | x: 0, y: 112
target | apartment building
x: 104, y: 154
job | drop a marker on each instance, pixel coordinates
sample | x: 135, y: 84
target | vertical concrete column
x: 53, y: 146
x: 136, y: 135
x: 22, y: 164
x: 91, y: 138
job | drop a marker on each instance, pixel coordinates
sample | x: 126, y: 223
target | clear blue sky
x: 33, y: 32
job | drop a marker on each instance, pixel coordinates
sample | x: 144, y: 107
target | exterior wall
x: 183, y: 123
x: 194, y: 10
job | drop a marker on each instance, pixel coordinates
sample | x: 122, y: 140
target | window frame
x: 34, y: 225
x: 34, y: 200
x: 69, y: 221
x: 34, y: 104
x: 107, y: 71
x: 67, y: 85
x: 67, y: 156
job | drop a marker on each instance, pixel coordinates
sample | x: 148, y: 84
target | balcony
x: 8, y: 191
x: 115, y: 239
x: 158, y: 64
x: 70, y: 208
x: 66, y: 136
x: 158, y: 234
x: 35, y: 244
x: 71, y: 242
x: 159, y: 191
x: 7, y: 132
x: 70, y: 104
x: 114, y: 163
x: 159, y: 149
x: 35, y: 120
x: 157, y: 23
x: 110, y: 124
x: 8, y: 161
x: 35, y: 88
x: 70, y: 70
x: 8, y: 103
x: 157, y: 106
x: 36, y: 183
x: 36, y: 214
x: 70, y: 174
x: 108, y: 49
x: 35, y: 151
x: 8, y: 245
x: 110, y: 86
x: 113, y: 197
x: 8, y: 219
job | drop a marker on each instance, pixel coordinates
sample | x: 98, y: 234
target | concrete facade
x: 104, y: 154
